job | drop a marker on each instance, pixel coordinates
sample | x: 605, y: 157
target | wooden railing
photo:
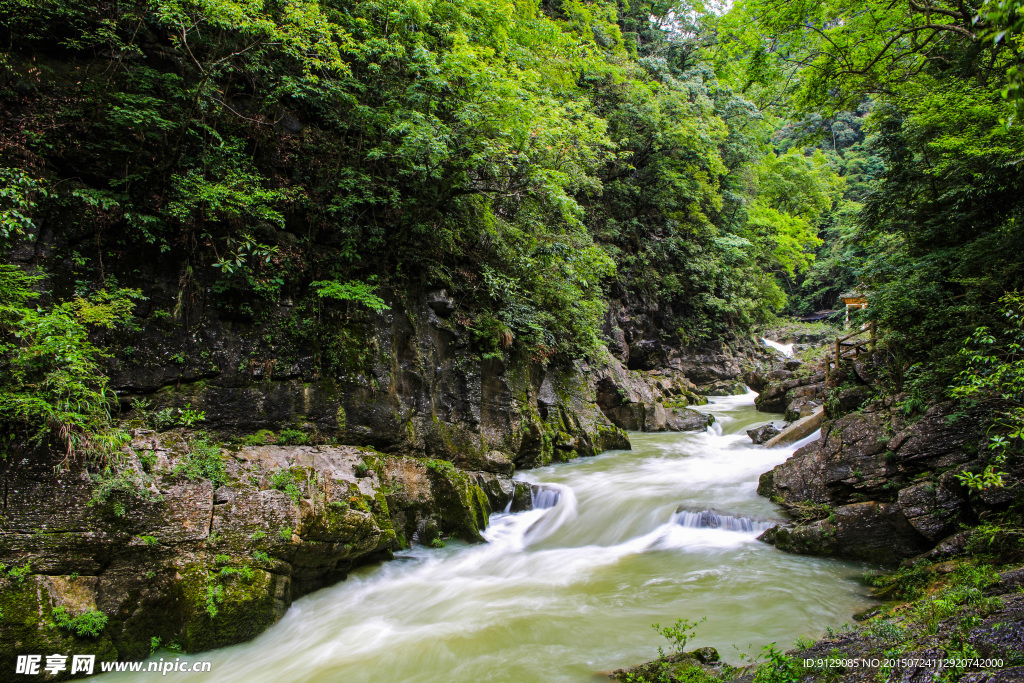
x: 850, y: 347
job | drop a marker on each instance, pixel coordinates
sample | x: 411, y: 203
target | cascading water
x: 572, y: 586
x: 544, y: 497
x: 709, y: 519
x: 784, y: 349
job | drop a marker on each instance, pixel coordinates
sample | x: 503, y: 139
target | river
x: 562, y: 593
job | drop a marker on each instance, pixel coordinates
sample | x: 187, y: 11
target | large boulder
x: 870, y: 532
x: 875, y: 486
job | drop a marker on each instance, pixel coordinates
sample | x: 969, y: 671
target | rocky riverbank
x: 252, y: 478
x: 194, y: 547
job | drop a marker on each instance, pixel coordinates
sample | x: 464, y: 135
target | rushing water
x: 570, y: 589
x: 784, y: 349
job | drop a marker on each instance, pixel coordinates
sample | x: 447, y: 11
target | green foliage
x: 202, y: 461
x: 16, y: 573
x: 52, y: 386
x: 260, y: 438
x: 284, y: 480
x: 113, y: 489
x: 528, y: 158
x: 353, y: 290
x: 149, y: 540
x: 167, y: 418
x: 678, y: 634
x: 778, y: 667
x: 86, y: 625
x: 794, y: 191
x: 993, y: 376
x: 443, y: 466
x: 362, y: 470
x: 19, y: 193
x: 437, y: 542
x: 292, y: 437
x: 285, y: 533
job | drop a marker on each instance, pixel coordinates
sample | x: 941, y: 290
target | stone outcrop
x: 654, y: 401
x: 882, y: 489
x: 421, y: 431
x: 763, y: 433
x: 407, y: 380
x: 199, y: 566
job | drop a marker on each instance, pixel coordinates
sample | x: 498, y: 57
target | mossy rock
x: 243, y: 607
x: 27, y: 625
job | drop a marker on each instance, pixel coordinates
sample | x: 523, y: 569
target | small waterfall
x: 710, y: 519
x: 784, y: 349
x: 544, y: 497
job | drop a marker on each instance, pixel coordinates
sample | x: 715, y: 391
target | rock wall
x: 197, y: 566
x: 404, y: 381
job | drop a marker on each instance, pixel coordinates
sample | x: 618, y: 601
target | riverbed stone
x: 763, y: 433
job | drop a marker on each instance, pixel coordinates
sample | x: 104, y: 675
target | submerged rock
x: 712, y: 519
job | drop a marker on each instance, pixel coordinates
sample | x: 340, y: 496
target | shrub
x: 202, y: 461
x: 113, y: 487
x: 88, y: 624
x: 292, y: 437
x: 285, y: 481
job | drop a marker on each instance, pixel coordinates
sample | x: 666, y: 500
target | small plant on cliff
x: 52, y: 387
x: 214, y: 596
x: 993, y: 377
x: 88, y: 624
x: 362, y: 470
x: 285, y: 481
x: 442, y: 466
x: 678, y: 634
x: 285, y: 533
x: 112, y: 488
x: 292, y: 437
x: 16, y: 573
x: 437, y: 542
x: 202, y: 461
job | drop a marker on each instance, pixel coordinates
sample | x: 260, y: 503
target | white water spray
x: 785, y: 349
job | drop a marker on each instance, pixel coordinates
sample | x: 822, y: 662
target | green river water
x: 566, y: 592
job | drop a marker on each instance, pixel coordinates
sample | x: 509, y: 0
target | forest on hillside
x: 532, y: 158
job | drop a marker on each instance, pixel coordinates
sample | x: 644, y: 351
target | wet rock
x: 850, y: 399
x: 933, y: 508
x: 208, y: 568
x: 696, y: 665
x: 941, y: 438
x: 728, y: 388
x: 871, y: 532
x: 763, y: 433
x: 686, y: 420
x: 439, y: 302
x: 848, y: 460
